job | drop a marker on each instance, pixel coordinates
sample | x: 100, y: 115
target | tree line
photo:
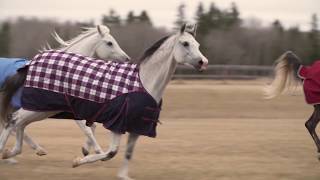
x: 225, y: 38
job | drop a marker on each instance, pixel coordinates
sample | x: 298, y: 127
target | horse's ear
x: 192, y: 29
x: 103, y: 30
x: 183, y: 28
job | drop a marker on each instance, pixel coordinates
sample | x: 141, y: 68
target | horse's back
x: 311, y: 82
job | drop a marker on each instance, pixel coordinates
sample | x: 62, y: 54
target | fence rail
x: 224, y: 72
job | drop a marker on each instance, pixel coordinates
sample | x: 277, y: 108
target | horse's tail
x: 1, y: 125
x: 10, y: 87
x: 286, y: 74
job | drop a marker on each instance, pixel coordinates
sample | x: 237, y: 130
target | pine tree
x: 111, y: 19
x: 277, y: 26
x: 130, y: 17
x: 199, y: 12
x: 214, y: 17
x: 5, y: 39
x: 181, y: 16
x: 200, y: 19
x: 144, y: 18
x: 277, y: 37
x: 235, y: 19
x: 314, y: 38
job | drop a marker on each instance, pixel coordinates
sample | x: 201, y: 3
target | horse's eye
x: 185, y: 44
x: 109, y: 43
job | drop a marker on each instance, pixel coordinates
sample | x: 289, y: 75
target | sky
x: 162, y: 12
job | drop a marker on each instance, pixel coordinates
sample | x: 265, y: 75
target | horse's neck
x: 157, y: 71
x: 84, y: 47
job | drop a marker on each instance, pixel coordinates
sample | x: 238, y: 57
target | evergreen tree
x: 234, y: 15
x: 277, y: 26
x: 203, y: 27
x: 314, y: 39
x: 181, y: 16
x: 277, y: 37
x: 111, y: 19
x: 5, y: 39
x: 214, y: 16
x: 144, y: 18
x: 200, y: 11
x: 130, y: 17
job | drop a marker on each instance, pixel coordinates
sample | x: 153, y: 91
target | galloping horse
x: 94, y: 42
x: 126, y: 96
x: 289, y: 71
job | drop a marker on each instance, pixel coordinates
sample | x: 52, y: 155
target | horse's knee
x: 310, y: 125
x: 128, y: 155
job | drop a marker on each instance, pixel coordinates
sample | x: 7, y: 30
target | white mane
x: 63, y: 44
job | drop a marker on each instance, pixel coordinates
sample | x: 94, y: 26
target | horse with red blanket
x: 289, y: 70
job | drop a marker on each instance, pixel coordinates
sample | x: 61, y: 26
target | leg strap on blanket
x: 89, y: 122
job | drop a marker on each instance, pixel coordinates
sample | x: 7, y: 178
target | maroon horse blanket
x: 311, y: 82
x: 83, y: 77
x: 107, y: 92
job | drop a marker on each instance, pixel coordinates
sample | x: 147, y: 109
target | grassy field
x: 212, y: 130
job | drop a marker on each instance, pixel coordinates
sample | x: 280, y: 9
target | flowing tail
x: 10, y: 87
x: 286, y: 74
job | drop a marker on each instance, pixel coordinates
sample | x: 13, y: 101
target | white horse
x: 156, y: 70
x: 95, y: 42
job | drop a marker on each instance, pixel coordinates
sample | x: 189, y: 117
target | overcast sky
x: 162, y: 12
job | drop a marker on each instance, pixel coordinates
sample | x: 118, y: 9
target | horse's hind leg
x: 5, y: 135
x: 311, y: 125
x: 91, y: 140
x: 113, y: 149
x: 23, y: 118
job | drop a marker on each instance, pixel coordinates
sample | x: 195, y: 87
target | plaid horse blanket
x: 311, y: 82
x: 81, y: 76
x: 82, y: 87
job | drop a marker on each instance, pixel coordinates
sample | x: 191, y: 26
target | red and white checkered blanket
x: 82, y: 77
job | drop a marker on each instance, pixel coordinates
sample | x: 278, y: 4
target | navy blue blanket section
x: 135, y: 112
x: 9, y: 67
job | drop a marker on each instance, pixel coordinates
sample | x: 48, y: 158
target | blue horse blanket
x: 9, y: 67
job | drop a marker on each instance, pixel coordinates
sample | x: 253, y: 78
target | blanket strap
x: 89, y: 122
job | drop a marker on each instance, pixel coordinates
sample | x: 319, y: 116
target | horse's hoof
x: 105, y: 159
x: 41, y: 152
x: 122, y: 177
x: 6, y: 154
x: 85, y: 152
x: 76, y: 162
x: 10, y: 161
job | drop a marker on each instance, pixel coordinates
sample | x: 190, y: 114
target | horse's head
x: 108, y: 47
x: 186, y: 50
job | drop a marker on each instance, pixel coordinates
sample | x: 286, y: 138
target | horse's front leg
x: 124, y: 170
x: 91, y: 140
x: 40, y: 151
x: 113, y: 149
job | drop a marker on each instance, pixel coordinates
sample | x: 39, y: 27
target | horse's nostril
x: 200, y: 62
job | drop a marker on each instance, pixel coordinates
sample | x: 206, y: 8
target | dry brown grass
x: 211, y: 130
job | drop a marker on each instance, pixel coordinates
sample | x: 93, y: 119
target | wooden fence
x: 224, y: 72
